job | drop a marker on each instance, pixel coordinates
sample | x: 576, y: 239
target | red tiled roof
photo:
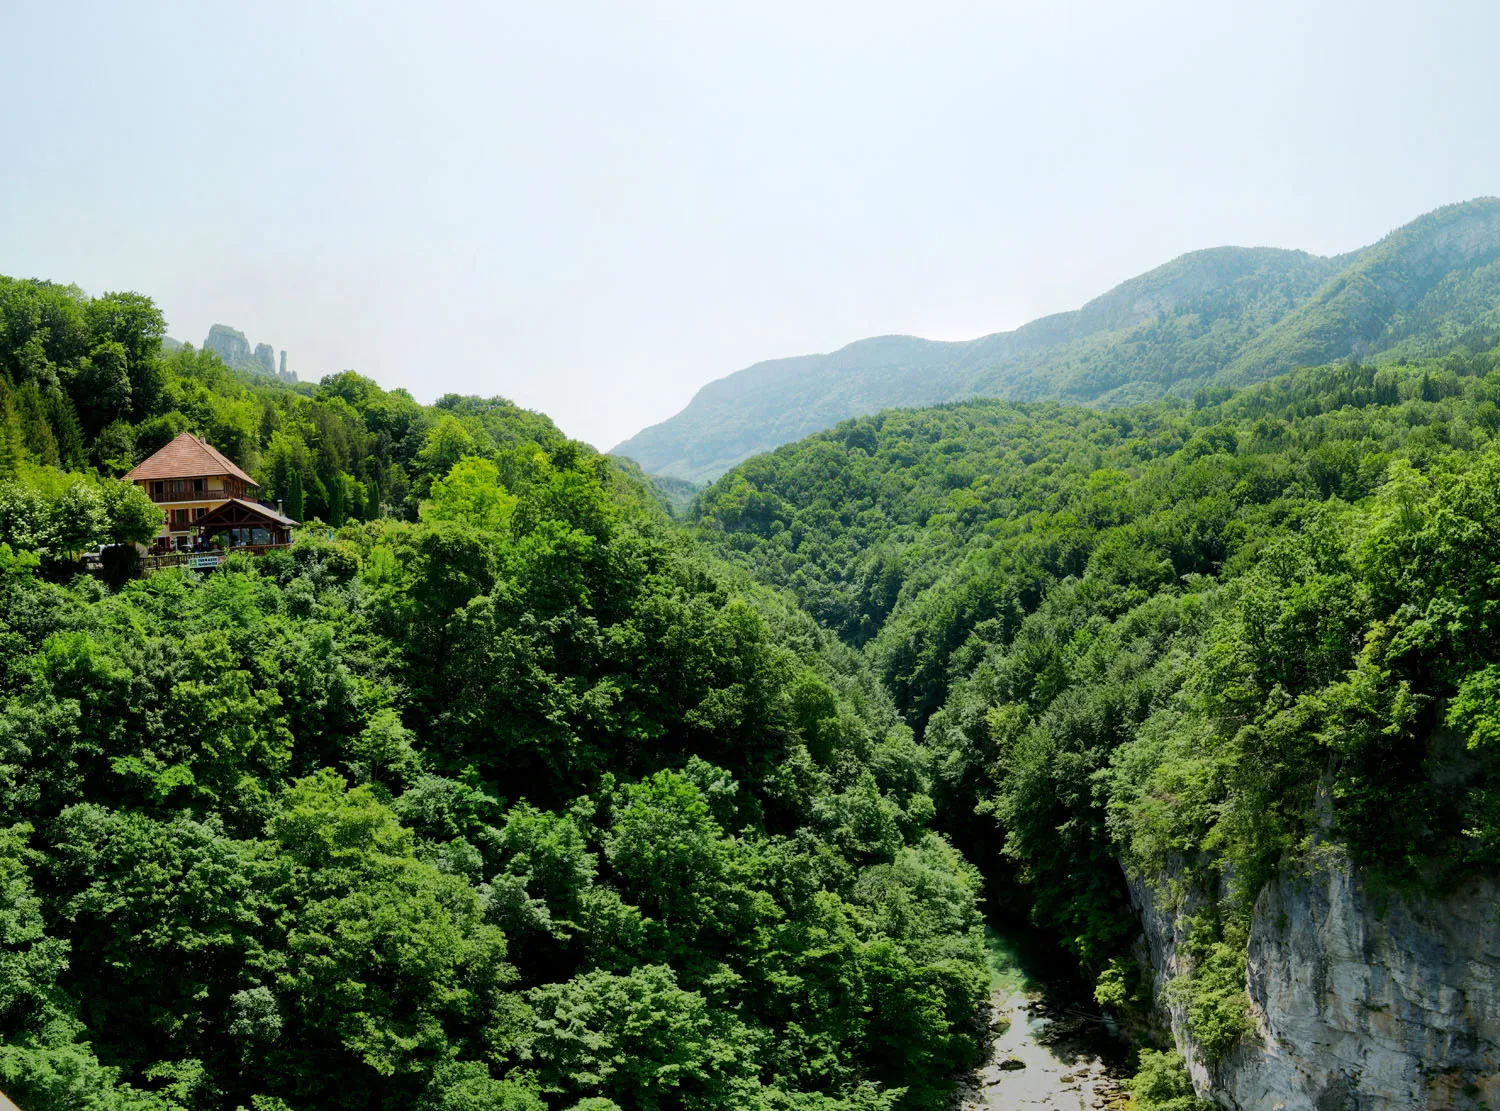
x: 186, y: 457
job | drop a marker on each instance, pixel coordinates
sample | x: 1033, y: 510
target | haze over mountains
x: 1226, y: 316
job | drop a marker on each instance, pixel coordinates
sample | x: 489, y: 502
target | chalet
x: 205, y: 495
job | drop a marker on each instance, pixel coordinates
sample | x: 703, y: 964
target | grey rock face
x: 228, y: 343
x: 1359, y: 1003
x: 231, y: 345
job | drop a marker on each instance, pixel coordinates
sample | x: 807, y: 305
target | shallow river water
x: 1047, y: 1049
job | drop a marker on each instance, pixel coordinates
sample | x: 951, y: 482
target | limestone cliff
x: 228, y: 343
x: 1359, y: 1003
x: 231, y: 345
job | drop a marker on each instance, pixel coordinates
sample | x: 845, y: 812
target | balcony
x: 167, y: 495
x: 201, y: 561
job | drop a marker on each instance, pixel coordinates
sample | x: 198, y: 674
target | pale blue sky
x: 595, y: 208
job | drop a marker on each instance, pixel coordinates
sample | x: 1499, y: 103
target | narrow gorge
x: 521, y: 781
x: 1210, y: 689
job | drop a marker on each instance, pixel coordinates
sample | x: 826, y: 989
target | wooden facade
x: 246, y: 524
x: 193, y: 482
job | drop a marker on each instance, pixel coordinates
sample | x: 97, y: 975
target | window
x: 200, y: 511
x: 197, y: 486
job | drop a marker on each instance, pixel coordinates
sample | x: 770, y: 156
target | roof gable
x: 186, y: 457
x: 237, y: 510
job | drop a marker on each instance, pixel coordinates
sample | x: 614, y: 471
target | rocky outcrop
x: 1359, y: 1002
x: 229, y: 344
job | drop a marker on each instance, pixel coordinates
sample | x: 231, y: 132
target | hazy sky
x: 595, y: 208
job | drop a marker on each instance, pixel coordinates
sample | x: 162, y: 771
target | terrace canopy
x: 247, y: 523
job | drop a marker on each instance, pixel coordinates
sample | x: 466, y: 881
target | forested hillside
x: 507, y: 797
x: 1227, y: 316
x: 501, y: 790
x: 1196, y: 637
x: 86, y: 386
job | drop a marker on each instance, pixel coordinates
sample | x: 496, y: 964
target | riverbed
x: 1047, y: 1048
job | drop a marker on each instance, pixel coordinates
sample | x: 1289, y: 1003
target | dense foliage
x: 85, y: 384
x: 1199, y: 637
x: 521, y: 803
x: 499, y: 791
x: 1225, y: 316
x: 1162, y: 1084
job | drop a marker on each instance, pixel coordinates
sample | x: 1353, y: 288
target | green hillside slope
x: 1203, y: 636
x: 1416, y: 292
x: 493, y: 792
x: 1223, y: 316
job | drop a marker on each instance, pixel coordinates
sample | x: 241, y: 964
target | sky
x: 595, y: 208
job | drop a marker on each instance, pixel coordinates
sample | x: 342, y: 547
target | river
x: 1049, y: 1047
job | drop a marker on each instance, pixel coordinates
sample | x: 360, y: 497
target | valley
x: 523, y: 780
x: 761, y: 557
x: 1048, y: 1046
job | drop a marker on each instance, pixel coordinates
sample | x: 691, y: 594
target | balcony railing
x: 157, y: 561
x: 167, y: 496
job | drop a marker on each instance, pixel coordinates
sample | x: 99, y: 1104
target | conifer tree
x: 337, y: 500
x: 66, y: 430
x: 12, y: 436
x: 295, y: 505
x: 31, y: 410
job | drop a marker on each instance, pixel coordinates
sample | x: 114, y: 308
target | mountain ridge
x: 1220, y: 315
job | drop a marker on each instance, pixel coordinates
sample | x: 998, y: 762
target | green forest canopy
x: 508, y: 797
x: 1192, y: 636
x: 512, y: 793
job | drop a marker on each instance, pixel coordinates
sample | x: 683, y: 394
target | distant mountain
x: 231, y: 345
x: 1225, y: 316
